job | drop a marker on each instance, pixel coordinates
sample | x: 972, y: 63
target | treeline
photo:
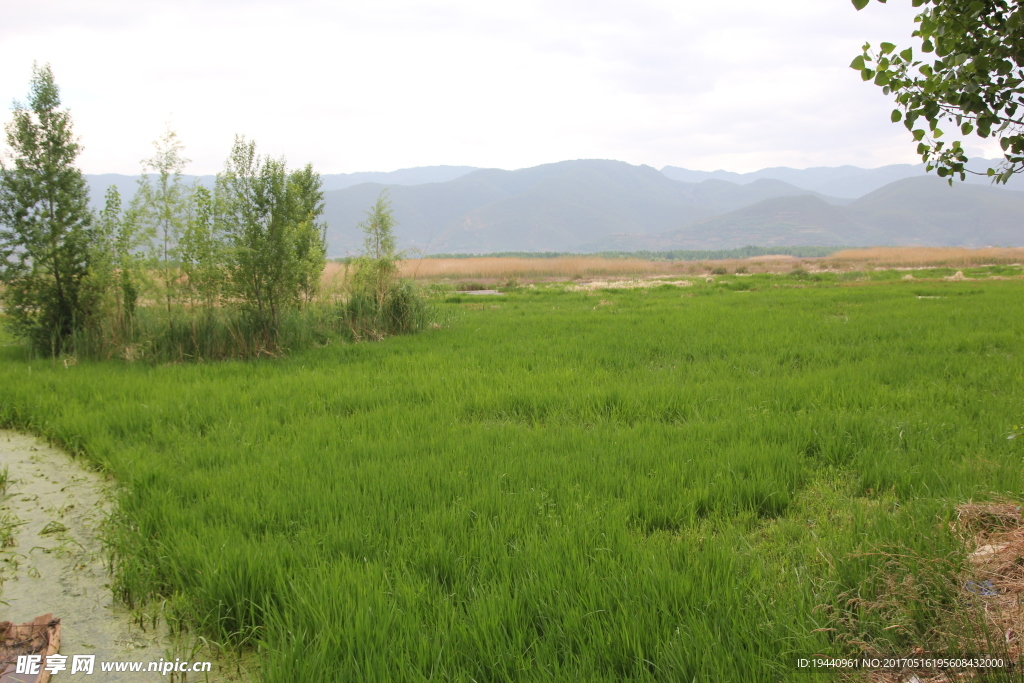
x: 182, y: 271
x: 669, y: 255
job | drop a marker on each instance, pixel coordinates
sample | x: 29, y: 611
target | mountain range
x: 850, y: 182
x: 598, y: 205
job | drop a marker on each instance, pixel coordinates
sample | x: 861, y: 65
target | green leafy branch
x: 974, y: 81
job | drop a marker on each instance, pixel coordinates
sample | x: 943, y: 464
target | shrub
x: 378, y: 302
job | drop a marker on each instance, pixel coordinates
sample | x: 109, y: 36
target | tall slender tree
x: 201, y: 250
x: 306, y: 191
x: 44, y: 221
x: 118, y: 257
x: 161, y: 204
x: 377, y: 268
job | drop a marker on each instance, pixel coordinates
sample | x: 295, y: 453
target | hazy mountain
x: 923, y: 210
x: 849, y: 182
x: 928, y: 211
x: 553, y: 207
x: 126, y: 184
x: 403, y: 176
x: 596, y: 205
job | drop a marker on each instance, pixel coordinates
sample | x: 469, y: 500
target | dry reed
x: 909, y: 257
x: 577, y: 267
x: 511, y: 267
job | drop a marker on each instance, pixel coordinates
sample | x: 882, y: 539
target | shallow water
x: 57, y: 563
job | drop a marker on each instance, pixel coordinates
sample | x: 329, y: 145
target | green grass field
x: 668, y: 484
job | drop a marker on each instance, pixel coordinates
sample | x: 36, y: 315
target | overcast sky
x: 376, y: 86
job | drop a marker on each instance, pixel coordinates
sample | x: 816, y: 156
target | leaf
x: 907, y: 54
x: 919, y: 135
x: 860, y: 4
x: 867, y: 74
x: 967, y: 129
x: 887, y: 48
x: 857, y: 63
x: 897, y: 116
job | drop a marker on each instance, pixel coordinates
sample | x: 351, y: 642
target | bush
x: 403, y: 311
x: 378, y: 302
x: 719, y: 270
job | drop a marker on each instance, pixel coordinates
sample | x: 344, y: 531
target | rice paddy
x: 651, y: 484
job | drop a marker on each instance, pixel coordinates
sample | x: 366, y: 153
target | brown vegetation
x: 563, y: 267
x: 495, y: 269
x: 988, y: 615
x: 910, y: 257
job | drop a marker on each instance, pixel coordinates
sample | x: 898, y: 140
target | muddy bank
x: 56, y: 563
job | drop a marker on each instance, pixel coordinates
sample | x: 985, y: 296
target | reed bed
x: 499, y: 269
x: 656, y: 484
x: 911, y: 257
x: 527, y: 268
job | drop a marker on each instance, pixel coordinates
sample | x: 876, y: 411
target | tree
x: 380, y: 303
x: 274, y: 241
x: 200, y: 250
x: 161, y: 206
x: 44, y: 222
x: 306, y: 191
x: 117, y: 260
x: 377, y: 267
x: 974, y: 81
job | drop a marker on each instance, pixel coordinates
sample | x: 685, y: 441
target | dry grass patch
x: 636, y: 283
x: 988, y: 616
x: 997, y: 571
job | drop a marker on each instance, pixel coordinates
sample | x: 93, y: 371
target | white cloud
x: 398, y: 83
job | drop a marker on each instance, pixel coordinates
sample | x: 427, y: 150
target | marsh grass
x: 677, y: 484
x: 8, y: 521
x: 404, y: 310
x: 184, y: 335
x: 196, y: 333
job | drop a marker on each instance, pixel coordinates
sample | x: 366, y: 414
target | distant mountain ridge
x: 850, y: 182
x: 554, y: 207
x: 126, y: 184
x: 600, y: 205
x: 922, y: 211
